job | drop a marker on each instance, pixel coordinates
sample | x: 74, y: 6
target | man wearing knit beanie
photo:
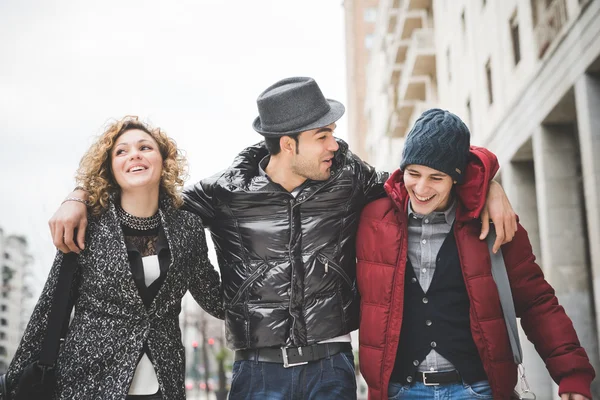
x: 439, y: 140
x: 431, y: 324
x: 437, y: 145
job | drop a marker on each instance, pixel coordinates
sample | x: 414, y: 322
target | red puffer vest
x: 381, y: 249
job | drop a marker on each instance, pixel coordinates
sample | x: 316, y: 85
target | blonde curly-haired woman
x: 142, y: 255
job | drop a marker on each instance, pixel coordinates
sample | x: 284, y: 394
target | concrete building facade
x: 525, y: 77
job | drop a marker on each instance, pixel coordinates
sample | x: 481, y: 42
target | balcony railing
x: 420, y: 60
x: 549, y: 24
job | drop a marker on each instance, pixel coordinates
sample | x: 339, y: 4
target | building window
x: 463, y: 22
x: 369, y: 41
x: 3, y: 307
x: 3, y: 322
x: 2, y: 335
x: 514, y: 35
x: 488, y: 77
x: 449, y: 64
x: 370, y: 14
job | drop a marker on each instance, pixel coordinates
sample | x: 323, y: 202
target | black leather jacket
x: 288, y: 264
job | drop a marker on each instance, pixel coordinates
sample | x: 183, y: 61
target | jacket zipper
x: 292, y: 203
x: 340, y: 271
x: 249, y: 281
x: 328, y: 263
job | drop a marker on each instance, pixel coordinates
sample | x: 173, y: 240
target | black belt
x: 291, y: 356
x: 438, y: 378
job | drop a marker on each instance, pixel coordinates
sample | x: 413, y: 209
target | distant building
x: 14, y: 294
x: 361, y: 17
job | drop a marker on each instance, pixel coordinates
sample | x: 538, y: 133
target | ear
x: 287, y: 144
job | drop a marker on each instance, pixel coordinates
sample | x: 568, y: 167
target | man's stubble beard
x: 309, y: 171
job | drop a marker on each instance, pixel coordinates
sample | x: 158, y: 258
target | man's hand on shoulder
x: 499, y: 210
x: 68, y: 220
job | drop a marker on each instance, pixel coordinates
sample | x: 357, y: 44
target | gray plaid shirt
x: 426, y: 234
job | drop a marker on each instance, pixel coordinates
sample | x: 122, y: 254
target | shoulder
x: 179, y: 219
x: 344, y: 156
x: 378, y: 210
x: 212, y: 180
x: 98, y: 222
x: 520, y: 245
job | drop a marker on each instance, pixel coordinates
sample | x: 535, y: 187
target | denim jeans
x: 328, y: 378
x: 455, y: 391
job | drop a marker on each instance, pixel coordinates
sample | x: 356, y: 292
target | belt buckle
x: 425, y: 378
x: 286, y: 364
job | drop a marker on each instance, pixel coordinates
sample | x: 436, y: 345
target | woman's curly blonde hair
x: 95, y: 172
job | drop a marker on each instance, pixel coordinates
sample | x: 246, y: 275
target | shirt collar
x: 449, y: 214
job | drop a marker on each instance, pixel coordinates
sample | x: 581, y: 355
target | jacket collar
x: 244, y: 173
x: 169, y: 222
x: 471, y: 194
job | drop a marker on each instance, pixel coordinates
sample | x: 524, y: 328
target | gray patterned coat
x: 111, y: 324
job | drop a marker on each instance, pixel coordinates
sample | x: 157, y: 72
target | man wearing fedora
x: 283, y: 219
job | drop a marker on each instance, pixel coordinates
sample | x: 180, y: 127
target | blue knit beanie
x: 438, y: 140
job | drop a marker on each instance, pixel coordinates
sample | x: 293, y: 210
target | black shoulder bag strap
x: 59, y: 312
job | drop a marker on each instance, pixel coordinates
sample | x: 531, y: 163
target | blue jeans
x: 455, y: 391
x: 328, y: 378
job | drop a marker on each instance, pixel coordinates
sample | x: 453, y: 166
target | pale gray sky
x: 194, y: 68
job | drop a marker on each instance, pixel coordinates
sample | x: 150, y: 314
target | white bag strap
x: 506, y: 301
x: 510, y: 316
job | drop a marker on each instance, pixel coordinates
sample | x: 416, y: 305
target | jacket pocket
x: 332, y: 267
x: 249, y: 281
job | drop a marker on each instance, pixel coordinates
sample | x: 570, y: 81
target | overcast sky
x: 194, y: 68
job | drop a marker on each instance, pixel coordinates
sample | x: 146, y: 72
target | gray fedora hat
x: 294, y: 105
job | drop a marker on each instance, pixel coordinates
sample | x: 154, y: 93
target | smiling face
x: 136, y: 161
x: 429, y: 189
x: 314, y: 153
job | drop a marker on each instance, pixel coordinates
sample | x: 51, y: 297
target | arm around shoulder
x: 69, y: 223
x: 199, y: 198
x: 370, y: 179
x: 204, y: 280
